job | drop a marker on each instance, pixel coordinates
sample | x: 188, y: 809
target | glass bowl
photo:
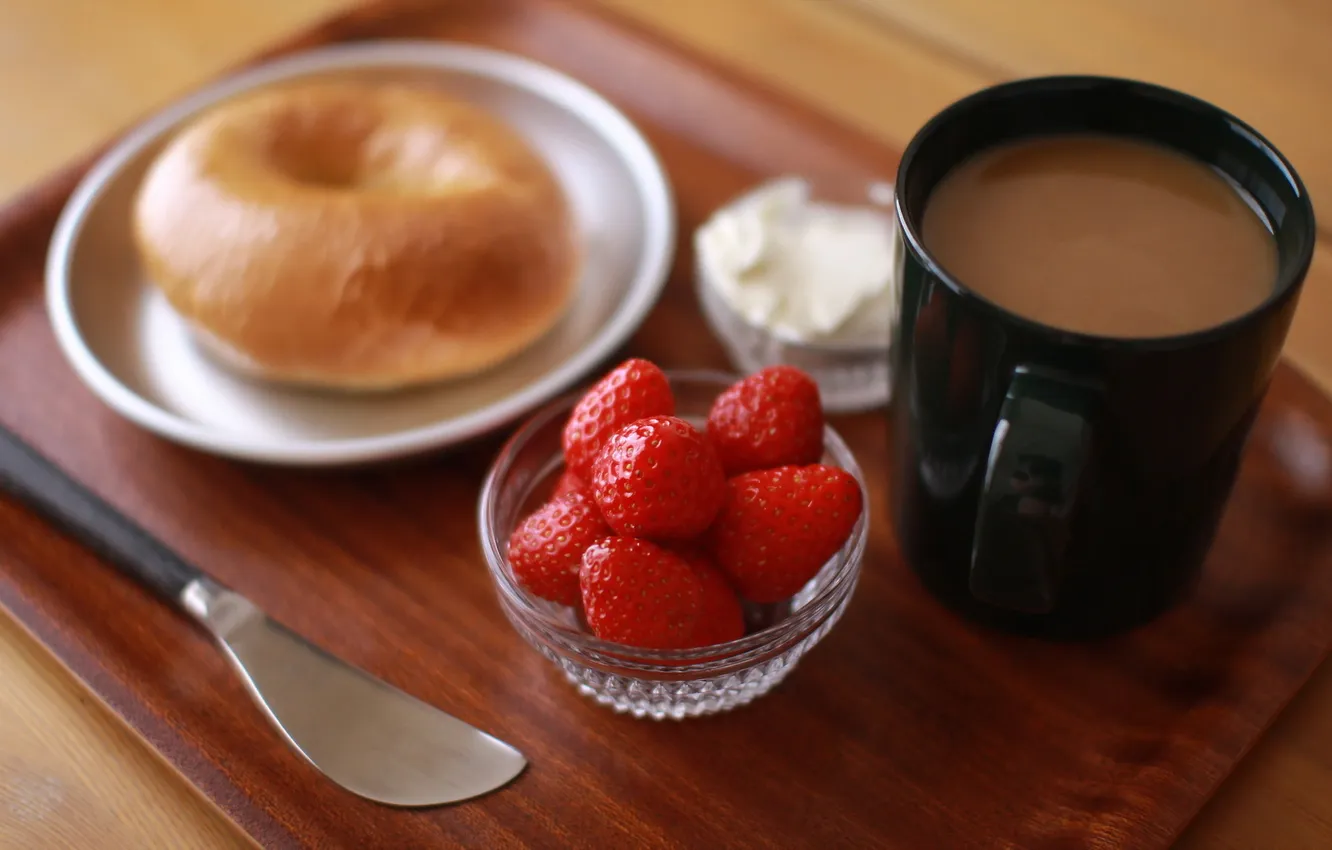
x: 657, y: 683
x: 853, y: 373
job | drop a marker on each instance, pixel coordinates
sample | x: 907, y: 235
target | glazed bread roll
x: 351, y: 236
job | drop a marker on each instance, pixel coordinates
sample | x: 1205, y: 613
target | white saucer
x: 137, y: 356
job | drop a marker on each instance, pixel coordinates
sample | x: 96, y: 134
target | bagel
x: 355, y: 236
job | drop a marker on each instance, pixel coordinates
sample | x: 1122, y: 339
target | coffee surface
x: 1101, y: 235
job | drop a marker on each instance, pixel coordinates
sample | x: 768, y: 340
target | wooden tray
x: 905, y: 728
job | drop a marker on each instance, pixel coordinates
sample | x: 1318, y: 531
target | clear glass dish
x: 852, y: 375
x: 657, y: 683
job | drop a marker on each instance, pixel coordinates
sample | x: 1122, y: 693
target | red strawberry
x: 546, y: 549
x: 778, y: 527
x: 658, y: 477
x: 568, y: 483
x: 639, y: 594
x: 772, y: 418
x: 720, y: 618
x: 629, y: 392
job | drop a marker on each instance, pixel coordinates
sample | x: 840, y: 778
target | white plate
x: 135, y: 353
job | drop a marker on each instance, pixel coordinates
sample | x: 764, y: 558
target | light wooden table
x: 74, y: 71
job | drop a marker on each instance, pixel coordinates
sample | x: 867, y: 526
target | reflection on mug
x: 1037, y: 487
x: 949, y: 391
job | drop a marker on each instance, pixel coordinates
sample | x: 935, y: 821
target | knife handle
x: 75, y: 509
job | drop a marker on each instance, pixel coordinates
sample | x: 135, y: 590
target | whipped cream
x: 806, y: 270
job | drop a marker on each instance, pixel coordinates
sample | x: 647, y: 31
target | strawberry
x: 546, y: 549
x: 629, y: 392
x: 658, y: 477
x: 568, y: 483
x: 778, y: 527
x: 771, y: 418
x: 720, y: 618
x: 639, y: 594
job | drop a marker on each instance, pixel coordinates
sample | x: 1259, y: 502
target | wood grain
x: 73, y: 71
x: 60, y: 775
x: 1268, y: 64
x: 72, y: 773
x: 904, y: 728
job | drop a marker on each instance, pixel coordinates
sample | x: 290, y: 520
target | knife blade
x: 367, y: 736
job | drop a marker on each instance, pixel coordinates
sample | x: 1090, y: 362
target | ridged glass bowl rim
x: 494, y: 544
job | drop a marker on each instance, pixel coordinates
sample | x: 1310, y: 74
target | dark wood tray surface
x: 904, y: 728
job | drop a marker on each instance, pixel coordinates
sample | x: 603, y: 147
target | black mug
x: 1059, y: 483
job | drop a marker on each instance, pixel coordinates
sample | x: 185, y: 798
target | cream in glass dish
x: 802, y: 271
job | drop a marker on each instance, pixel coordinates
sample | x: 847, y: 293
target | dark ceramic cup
x: 1058, y: 483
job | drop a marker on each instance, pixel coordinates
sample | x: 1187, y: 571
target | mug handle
x: 1036, y: 470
